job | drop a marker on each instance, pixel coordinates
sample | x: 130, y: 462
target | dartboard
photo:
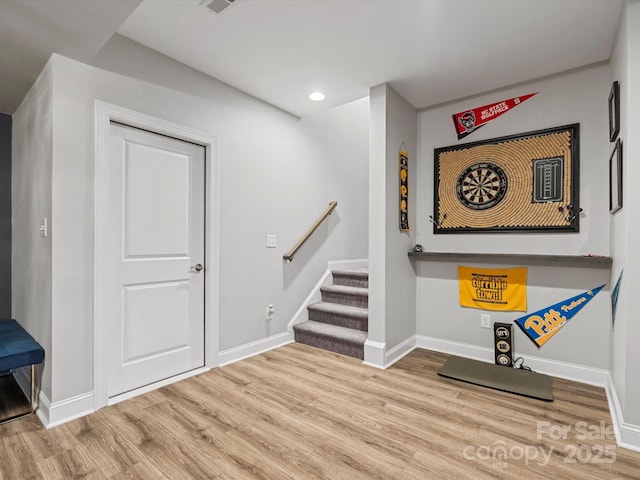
x: 481, y: 186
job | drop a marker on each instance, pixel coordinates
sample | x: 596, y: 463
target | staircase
x: 340, y: 321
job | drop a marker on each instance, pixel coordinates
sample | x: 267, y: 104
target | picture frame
x: 527, y: 182
x: 615, y: 178
x: 614, y: 111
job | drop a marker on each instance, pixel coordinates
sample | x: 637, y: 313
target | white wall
x: 276, y: 177
x: 575, y: 97
x: 375, y: 345
x: 630, y: 170
x: 400, y: 313
x: 624, y: 228
x: 618, y: 228
x: 31, y: 202
x: 391, y: 275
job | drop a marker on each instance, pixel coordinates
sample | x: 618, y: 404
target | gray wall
x: 31, y: 201
x: 276, y: 175
x: 5, y: 216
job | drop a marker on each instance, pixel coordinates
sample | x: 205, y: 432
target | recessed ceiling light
x: 317, y: 96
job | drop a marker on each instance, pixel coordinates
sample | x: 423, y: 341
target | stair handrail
x: 328, y: 211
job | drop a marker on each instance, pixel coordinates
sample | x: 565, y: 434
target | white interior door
x: 156, y: 252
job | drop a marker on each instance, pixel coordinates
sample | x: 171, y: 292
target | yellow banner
x: 493, y: 288
x: 404, y: 191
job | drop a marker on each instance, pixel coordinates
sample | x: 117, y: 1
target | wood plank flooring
x: 302, y: 413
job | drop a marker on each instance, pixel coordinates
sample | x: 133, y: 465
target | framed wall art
x: 526, y: 182
x: 614, y: 111
x: 615, y: 178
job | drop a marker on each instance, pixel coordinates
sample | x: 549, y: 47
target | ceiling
x: 31, y: 30
x: 430, y: 51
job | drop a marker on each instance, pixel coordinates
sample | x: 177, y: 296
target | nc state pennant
x: 470, y: 120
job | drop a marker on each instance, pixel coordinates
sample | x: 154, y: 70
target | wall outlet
x: 271, y: 240
x: 485, y: 320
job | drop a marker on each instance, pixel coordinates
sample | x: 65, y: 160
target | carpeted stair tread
x: 345, y: 295
x: 346, y: 289
x: 342, y: 315
x: 337, y: 308
x: 346, y: 341
x: 339, y: 322
x: 355, y: 278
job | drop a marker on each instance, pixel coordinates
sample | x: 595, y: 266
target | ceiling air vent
x: 216, y: 6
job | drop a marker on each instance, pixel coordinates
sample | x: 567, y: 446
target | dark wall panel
x: 5, y: 216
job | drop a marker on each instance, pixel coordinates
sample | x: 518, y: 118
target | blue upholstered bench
x: 19, y: 349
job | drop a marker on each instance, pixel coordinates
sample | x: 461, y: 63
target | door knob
x: 197, y: 268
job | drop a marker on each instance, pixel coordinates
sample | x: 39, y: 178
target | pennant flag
x: 540, y: 326
x: 470, y: 120
x: 614, y: 297
x: 493, y: 288
x: 404, y: 191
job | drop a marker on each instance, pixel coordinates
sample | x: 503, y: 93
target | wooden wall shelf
x: 584, y: 261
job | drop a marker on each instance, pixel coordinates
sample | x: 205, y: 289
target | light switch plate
x: 44, y: 228
x: 271, y: 241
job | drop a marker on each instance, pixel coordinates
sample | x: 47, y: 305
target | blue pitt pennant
x: 540, y: 326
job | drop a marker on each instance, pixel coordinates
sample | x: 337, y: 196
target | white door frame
x: 105, y: 113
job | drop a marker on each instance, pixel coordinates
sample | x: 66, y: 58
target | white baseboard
x: 627, y: 435
x: 42, y: 412
x: 23, y: 379
x: 454, y: 348
x: 569, y: 371
x: 374, y: 354
x: 57, y: 413
x: 247, y: 350
x: 396, y: 353
x: 51, y: 415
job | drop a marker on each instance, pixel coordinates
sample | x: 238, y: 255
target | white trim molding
x: 627, y: 435
x: 56, y: 413
x: 106, y: 113
x: 247, y: 350
x: 396, y: 353
x: 374, y: 354
x: 454, y: 348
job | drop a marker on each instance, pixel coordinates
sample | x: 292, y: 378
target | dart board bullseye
x: 481, y: 186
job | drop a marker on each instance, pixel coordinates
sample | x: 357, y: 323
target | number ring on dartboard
x: 481, y: 186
